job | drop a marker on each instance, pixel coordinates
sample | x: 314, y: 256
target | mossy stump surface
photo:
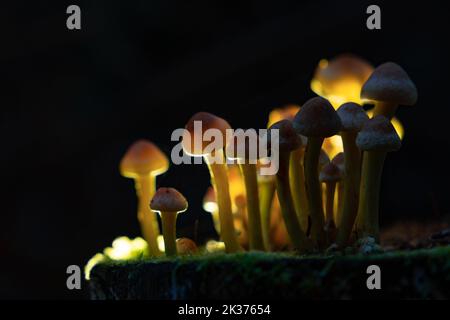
x: 416, y: 274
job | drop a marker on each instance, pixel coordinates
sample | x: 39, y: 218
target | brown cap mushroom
x: 142, y: 162
x: 389, y: 85
x: 340, y: 79
x: 352, y: 115
x: 169, y: 202
x: 330, y: 173
x: 376, y: 138
x: 186, y: 246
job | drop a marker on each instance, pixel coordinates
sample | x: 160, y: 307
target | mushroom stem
x: 267, y: 192
x: 297, y: 181
x: 386, y: 109
x: 340, y: 202
x: 329, y: 204
x: 169, y: 221
x: 367, y: 220
x: 218, y: 172
x: 145, y: 186
x: 352, y: 177
x: 314, y: 190
x: 253, y: 210
x: 296, y: 234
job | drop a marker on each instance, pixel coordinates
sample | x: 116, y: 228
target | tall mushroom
x: 389, y: 86
x: 316, y: 120
x: 353, y: 117
x: 169, y: 203
x: 376, y: 138
x: 246, y: 155
x: 194, y: 144
x: 289, y: 141
x: 340, y: 79
x: 330, y: 175
x: 338, y: 160
x: 142, y: 162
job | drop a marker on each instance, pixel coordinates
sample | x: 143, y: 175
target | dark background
x: 73, y: 101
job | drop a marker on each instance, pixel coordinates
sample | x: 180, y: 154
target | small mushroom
x: 289, y: 141
x: 217, y: 169
x: 210, y: 205
x: 376, y: 138
x: 169, y: 203
x: 186, y: 246
x: 353, y: 117
x: 389, y: 86
x: 142, y: 162
x: 340, y: 79
x: 330, y: 176
x: 239, y: 149
x: 316, y: 120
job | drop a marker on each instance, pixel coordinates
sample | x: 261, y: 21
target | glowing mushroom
x: 316, y: 120
x: 353, y: 117
x: 194, y: 144
x: 389, y: 86
x: 330, y: 176
x: 376, y: 138
x: 338, y: 160
x: 186, y: 246
x: 246, y: 155
x: 169, y: 203
x: 289, y: 141
x: 340, y: 79
x: 142, y: 162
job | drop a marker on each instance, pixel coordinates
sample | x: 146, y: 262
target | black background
x: 73, y: 101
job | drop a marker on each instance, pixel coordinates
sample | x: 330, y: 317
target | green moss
x: 421, y: 273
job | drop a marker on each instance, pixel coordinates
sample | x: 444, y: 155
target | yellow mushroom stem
x: 266, y: 192
x: 296, y: 234
x: 330, y: 226
x: 169, y: 222
x: 146, y: 186
x: 253, y: 210
x: 314, y: 190
x: 367, y: 223
x: 386, y: 109
x: 219, y: 177
x: 340, y: 202
x: 298, y: 186
x: 352, y: 177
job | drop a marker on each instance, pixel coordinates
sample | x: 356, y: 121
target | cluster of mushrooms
x: 325, y: 195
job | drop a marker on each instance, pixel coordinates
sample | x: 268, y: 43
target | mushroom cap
x: 240, y: 146
x: 143, y: 158
x: 289, y: 140
x: 352, y: 115
x: 288, y: 112
x: 168, y: 200
x: 208, y: 121
x: 378, y: 134
x: 330, y: 173
x: 317, y: 118
x: 186, y: 246
x: 390, y: 83
x: 339, y: 161
x: 340, y: 79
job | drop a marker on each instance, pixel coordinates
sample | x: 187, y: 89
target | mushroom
x: 210, y: 205
x: 289, y: 141
x: 330, y: 175
x: 194, y: 144
x: 266, y: 187
x: 316, y: 120
x: 239, y: 149
x: 338, y: 160
x: 389, y: 86
x: 340, y: 79
x: 353, y: 117
x: 395, y: 122
x: 186, y: 246
x: 142, y: 162
x: 376, y: 138
x: 169, y: 202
